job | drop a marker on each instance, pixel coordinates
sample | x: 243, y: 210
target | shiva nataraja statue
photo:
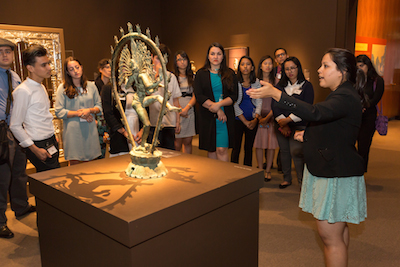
x: 136, y: 69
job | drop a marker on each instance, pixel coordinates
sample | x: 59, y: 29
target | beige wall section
x: 381, y: 19
x: 305, y: 28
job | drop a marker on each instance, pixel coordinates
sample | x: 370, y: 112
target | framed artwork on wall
x: 233, y: 54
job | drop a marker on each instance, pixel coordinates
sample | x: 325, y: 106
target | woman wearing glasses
x: 184, y: 73
x: 294, y: 84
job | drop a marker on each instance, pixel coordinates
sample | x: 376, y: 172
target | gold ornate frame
x: 53, y: 40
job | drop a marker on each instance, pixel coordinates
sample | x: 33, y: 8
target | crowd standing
x: 270, y: 106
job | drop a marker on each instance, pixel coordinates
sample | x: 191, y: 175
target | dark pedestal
x: 203, y: 213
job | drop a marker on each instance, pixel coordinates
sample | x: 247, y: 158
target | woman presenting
x: 333, y: 187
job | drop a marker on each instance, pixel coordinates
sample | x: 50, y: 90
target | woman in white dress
x: 184, y: 73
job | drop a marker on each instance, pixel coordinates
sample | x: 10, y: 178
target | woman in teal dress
x: 216, y: 89
x: 77, y: 103
x: 333, y: 188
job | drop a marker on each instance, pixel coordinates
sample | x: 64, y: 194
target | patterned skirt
x: 334, y: 199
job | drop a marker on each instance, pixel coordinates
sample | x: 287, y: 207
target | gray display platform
x: 203, y: 213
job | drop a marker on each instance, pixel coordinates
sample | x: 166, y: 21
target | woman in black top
x: 373, y: 88
x: 333, y: 188
x: 295, y: 84
x: 216, y: 89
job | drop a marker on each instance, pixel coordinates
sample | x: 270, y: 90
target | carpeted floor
x: 287, y: 236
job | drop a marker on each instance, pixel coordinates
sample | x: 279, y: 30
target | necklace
x: 214, y: 70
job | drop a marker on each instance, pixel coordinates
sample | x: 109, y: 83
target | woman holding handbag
x: 294, y: 84
x: 373, y: 88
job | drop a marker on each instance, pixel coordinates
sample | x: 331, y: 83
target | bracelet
x: 190, y: 106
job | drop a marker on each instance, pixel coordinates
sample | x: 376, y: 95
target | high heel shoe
x: 267, y: 176
x: 282, y: 186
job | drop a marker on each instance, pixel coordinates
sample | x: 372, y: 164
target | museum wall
x: 305, y: 28
x: 378, y: 22
x: 89, y: 25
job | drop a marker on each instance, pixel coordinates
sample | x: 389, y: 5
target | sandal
x: 267, y: 176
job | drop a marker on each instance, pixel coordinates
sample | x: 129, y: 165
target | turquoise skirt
x: 222, y: 134
x: 334, y: 199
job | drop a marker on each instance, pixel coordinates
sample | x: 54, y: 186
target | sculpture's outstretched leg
x: 144, y: 118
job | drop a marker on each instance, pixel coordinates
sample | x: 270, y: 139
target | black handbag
x: 4, y: 148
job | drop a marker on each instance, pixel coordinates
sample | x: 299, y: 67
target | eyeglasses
x: 290, y: 69
x: 5, y: 52
x: 280, y: 55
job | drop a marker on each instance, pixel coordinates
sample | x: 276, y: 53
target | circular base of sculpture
x: 145, y: 165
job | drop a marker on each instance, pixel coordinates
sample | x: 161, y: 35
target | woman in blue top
x: 294, y: 84
x: 247, y: 111
x: 216, y: 89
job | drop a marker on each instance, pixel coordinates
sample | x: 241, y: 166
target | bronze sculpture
x: 136, y: 69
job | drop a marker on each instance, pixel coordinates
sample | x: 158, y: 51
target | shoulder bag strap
x: 378, y: 108
x: 9, y: 98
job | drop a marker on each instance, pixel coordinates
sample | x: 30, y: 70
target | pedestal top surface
x: 103, y: 184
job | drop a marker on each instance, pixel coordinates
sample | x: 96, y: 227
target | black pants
x: 13, y: 180
x: 166, y: 137
x: 249, y: 136
x: 49, y: 163
x: 365, y: 136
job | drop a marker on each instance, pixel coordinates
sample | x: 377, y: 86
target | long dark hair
x: 300, y: 75
x: 224, y: 71
x: 345, y: 63
x: 70, y: 88
x: 371, y: 73
x: 188, y: 70
x: 361, y: 81
x: 252, y: 73
x: 362, y: 78
x: 271, y: 77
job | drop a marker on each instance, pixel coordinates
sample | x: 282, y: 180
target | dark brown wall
x: 89, y: 25
x: 305, y: 28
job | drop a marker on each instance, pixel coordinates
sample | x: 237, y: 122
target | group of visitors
x: 271, y: 106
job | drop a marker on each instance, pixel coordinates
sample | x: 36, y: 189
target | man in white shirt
x: 171, y: 121
x: 31, y: 120
x: 13, y: 177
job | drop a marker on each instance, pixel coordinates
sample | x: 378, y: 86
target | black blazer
x: 118, y: 142
x: 206, y: 125
x: 330, y: 137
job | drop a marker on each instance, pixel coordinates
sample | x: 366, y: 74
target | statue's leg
x: 160, y: 99
x: 142, y: 113
x: 148, y: 100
